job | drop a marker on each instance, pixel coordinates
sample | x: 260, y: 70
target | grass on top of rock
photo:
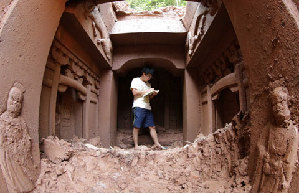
x: 150, y: 5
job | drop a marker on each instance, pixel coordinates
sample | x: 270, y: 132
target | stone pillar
x: 53, y: 99
x: 166, y: 112
x: 191, y: 107
x: 108, y: 108
x: 86, y: 110
x: 167, y: 106
x: 242, y: 93
x: 209, y: 120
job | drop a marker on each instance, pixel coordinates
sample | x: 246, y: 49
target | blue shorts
x: 143, y: 118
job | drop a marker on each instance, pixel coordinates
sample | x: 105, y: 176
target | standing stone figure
x: 93, y: 12
x: 15, y: 146
x: 276, y: 161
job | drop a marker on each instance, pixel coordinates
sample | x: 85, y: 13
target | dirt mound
x: 210, y: 164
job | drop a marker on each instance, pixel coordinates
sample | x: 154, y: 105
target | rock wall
x: 269, y: 44
x: 23, y: 54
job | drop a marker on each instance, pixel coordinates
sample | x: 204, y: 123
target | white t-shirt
x: 141, y: 101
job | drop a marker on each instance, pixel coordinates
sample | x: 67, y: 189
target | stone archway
x: 137, y: 62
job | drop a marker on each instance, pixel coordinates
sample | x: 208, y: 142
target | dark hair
x: 148, y: 70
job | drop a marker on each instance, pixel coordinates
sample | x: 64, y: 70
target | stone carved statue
x: 93, y: 13
x: 191, y: 43
x: 276, y: 161
x: 15, y: 146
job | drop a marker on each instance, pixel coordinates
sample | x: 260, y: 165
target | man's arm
x: 139, y: 92
x: 153, y: 95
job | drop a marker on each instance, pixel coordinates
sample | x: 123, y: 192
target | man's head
x: 147, y: 73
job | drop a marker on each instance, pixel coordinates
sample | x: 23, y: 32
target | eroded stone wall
x: 272, y: 31
x: 26, y: 33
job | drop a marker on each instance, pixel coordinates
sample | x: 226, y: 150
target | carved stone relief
x: 74, y: 72
x: 70, y: 93
x: 15, y: 145
x: 100, y: 31
x: 207, y: 8
x: 225, y: 72
x: 276, y: 160
x: 223, y: 65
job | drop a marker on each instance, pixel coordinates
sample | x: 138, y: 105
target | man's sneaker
x: 159, y: 147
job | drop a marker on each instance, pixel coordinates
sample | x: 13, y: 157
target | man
x: 143, y: 116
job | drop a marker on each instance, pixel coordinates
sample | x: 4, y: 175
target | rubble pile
x: 210, y: 164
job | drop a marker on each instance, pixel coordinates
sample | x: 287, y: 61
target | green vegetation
x: 150, y: 5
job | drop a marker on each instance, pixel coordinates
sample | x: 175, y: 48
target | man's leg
x: 149, y: 122
x: 139, y: 116
x: 154, y: 135
x: 135, y: 136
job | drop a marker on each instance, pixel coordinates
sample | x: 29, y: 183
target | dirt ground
x: 169, y: 138
x: 210, y: 164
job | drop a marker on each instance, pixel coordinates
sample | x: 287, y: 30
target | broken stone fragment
x: 96, y: 141
x: 90, y: 146
x: 56, y: 150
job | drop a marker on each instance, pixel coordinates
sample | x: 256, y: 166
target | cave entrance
x: 166, y: 107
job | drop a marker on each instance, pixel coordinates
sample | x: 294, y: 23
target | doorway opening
x: 226, y: 107
x: 166, y: 107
